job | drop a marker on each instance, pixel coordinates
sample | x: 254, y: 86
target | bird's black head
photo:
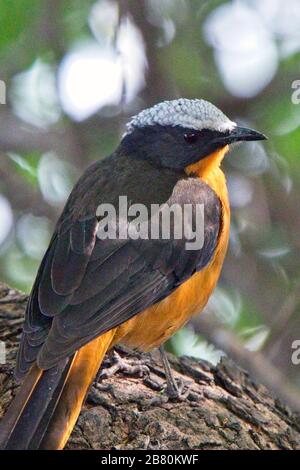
x: 176, y: 134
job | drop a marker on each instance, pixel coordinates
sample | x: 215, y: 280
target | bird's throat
x: 208, y: 169
x: 207, y: 166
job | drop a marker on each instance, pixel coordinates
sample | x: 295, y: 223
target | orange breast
x: 156, y: 324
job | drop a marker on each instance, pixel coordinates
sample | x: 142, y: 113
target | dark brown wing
x: 86, y: 286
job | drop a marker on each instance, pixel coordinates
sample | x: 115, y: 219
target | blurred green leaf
x: 26, y: 166
x: 15, y: 17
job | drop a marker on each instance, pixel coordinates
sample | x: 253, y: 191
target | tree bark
x: 221, y: 407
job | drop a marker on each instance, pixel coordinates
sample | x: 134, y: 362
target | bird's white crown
x: 195, y: 114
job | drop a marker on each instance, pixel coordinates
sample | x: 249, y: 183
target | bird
x: 92, y: 293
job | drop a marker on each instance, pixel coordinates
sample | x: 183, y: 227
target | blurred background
x: 76, y: 70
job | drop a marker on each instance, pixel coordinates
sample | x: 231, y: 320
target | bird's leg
x: 174, y: 390
x: 122, y: 365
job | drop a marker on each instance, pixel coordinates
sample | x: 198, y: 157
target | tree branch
x: 258, y: 366
x: 222, y: 408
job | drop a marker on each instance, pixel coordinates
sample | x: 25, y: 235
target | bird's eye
x: 190, y: 138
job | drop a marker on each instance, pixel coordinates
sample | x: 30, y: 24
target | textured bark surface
x: 222, y: 408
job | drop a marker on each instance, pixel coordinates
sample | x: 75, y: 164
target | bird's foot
x: 175, y: 389
x: 166, y: 394
x: 122, y: 365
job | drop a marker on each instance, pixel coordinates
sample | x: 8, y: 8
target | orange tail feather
x: 84, y: 369
x: 48, y: 404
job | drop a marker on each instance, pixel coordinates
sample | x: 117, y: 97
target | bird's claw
x: 123, y: 365
x: 174, y: 389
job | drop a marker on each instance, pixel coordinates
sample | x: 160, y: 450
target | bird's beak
x: 240, y: 134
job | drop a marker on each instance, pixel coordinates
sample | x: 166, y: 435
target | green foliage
x: 16, y: 16
x: 26, y: 166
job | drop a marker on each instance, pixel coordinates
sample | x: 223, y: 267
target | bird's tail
x: 46, y: 408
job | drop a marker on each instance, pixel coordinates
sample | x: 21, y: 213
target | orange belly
x: 159, y: 322
x: 156, y: 324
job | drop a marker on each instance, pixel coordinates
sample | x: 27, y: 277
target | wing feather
x: 86, y: 286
